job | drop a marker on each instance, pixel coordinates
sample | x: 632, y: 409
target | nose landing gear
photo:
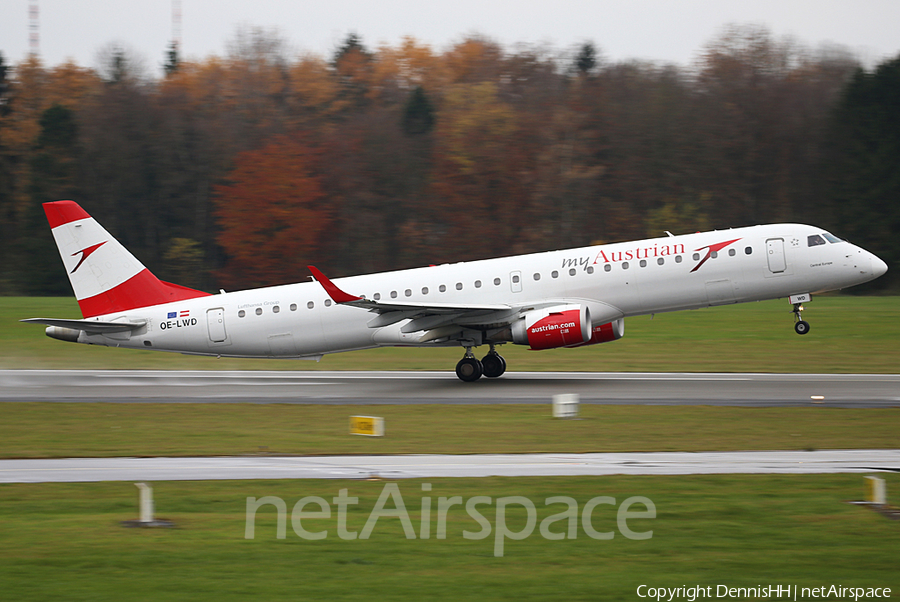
x: 800, y: 326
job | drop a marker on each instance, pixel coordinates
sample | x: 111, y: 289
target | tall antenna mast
x: 34, y: 40
x: 176, y: 24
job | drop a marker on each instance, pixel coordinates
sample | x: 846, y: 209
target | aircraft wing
x: 422, y: 316
x: 89, y: 326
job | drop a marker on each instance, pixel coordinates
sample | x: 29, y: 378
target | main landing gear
x: 469, y: 369
x: 800, y: 326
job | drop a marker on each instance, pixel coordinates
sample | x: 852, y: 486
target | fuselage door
x: 515, y: 281
x: 215, y: 322
x: 775, y: 255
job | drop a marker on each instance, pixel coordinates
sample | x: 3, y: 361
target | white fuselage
x: 614, y: 281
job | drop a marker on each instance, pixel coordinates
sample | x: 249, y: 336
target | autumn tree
x: 7, y: 211
x: 353, y: 63
x: 586, y: 60
x: 172, y: 57
x: 760, y: 118
x: 54, y: 176
x: 398, y: 70
x: 481, y: 174
x: 427, y: 156
x: 272, y: 214
x: 255, y: 84
x: 864, y: 164
x: 118, y: 165
x: 31, y: 90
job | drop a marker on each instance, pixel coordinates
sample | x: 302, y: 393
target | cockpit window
x: 815, y: 240
x: 831, y: 237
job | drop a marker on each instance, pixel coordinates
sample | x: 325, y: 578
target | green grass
x: 849, y: 335
x: 46, y: 430
x: 64, y: 542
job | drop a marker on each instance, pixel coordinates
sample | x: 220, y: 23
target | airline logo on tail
x: 123, y: 283
x: 85, y: 253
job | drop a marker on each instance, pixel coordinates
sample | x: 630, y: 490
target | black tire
x: 469, y: 369
x: 801, y: 327
x: 494, y: 365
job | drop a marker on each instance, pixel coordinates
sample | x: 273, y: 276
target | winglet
x: 337, y: 295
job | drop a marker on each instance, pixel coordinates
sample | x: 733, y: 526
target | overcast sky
x: 658, y: 30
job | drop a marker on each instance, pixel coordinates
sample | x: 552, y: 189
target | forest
x: 240, y: 170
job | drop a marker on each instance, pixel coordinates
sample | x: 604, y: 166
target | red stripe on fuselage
x: 60, y: 213
x: 142, y: 290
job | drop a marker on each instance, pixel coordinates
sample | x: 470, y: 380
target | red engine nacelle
x: 604, y: 333
x: 559, y: 326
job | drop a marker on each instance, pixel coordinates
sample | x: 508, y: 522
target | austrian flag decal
x: 178, y: 319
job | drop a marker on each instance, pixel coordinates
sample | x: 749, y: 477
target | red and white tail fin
x: 106, y: 278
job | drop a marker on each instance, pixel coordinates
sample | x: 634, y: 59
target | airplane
x: 567, y: 298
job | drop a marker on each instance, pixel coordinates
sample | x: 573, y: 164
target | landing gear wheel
x: 494, y: 365
x: 469, y: 369
x: 800, y: 327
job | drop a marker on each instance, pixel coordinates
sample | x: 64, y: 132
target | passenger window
x: 258, y: 311
x: 496, y: 282
x: 660, y: 261
x: 554, y: 274
x: 624, y: 265
x: 678, y: 259
x: 393, y: 294
x: 748, y: 250
x: 442, y: 288
x: 408, y: 292
x: 293, y: 307
x: 643, y: 263
x: 608, y: 267
x: 815, y: 240
x: 590, y: 269
x: 714, y: 254
x: 309, y: 305
x: 276, y: 309
x: 572, y: 272
x: 377, y: 296
x: 242, y: 313
x: 327, y: 302
x: 424, y: 290
x: 696, y: 256
x: 516, y: 279
x: 459, y: 286
x: 537, y: 276
x: 478, y: 284
x: 731, y: 252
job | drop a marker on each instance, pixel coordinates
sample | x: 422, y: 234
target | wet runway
x: 759, y: 390
x: 74, y: 470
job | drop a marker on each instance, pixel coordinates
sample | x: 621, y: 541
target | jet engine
x: 604, y: 333
x: 551, y: 327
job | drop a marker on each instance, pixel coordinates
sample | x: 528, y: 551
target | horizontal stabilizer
x: 88, y: 326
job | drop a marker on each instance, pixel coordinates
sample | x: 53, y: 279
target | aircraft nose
x: 878, y: 266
